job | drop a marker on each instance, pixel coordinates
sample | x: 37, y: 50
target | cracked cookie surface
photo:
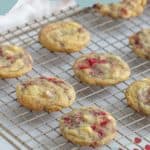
x: 88, y: 126
x: 14, y: 61
x: 101, y: 69
x: 138, y: 96
x: 43, y: 93
x: 64, y: 36
x: 124, y: 9
x: 140, y: 43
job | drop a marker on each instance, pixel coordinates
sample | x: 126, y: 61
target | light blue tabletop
x: 6, y: 5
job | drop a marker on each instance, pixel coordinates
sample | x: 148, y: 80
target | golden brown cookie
x: 14, y: 61
x: 138, y: 96
x: 64, y: 36
x: 88, y: 126
x: 140, y: 43
x: 124, y: 9
x: 101, y: 69
x: 49, y: 94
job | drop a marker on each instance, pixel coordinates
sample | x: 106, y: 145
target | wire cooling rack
x: 34, y: 130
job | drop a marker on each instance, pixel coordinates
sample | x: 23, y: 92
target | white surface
x: 26, y: 10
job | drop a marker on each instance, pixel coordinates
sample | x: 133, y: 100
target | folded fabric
x: 27, y: 10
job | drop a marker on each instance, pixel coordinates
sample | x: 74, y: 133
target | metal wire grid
x: 41, y: 130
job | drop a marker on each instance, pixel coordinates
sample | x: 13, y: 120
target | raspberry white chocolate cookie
x: 14, y: 61
x: 49, y: 94
x: 88, y: 126
x: 138, y: 96
x: 124, y: 9
x: 64, y: 36
x: 101, y: 69
x: 140, y: 43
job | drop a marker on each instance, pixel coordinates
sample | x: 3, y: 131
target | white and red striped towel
x: 26, y: 10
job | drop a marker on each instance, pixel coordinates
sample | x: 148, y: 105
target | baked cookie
x: 49, y: 94
x: 101, y: 69
x: 14, y: 61
x: 140, y: 43
x: 138, y: 96
x: 124, y: 9
x: 88, y: 126
x: 64, y: 36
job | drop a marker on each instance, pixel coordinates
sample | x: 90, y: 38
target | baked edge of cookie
x: 97, y: 7
x: 102, y: 82
x: 29, y: 103
x: 132, y: 102
x: 53, y: 48
x: 136, y: 50
x: 76, y: 140
x: 20, y: 72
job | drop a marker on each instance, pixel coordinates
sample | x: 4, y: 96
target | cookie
x: 64, y: 36
x: 14, y: 61
x: 138, y: 96
x: 124, y: 9
x: 101, y: 69
x: 88, y: 126
x: 48, y: 94
x: 140, y: 43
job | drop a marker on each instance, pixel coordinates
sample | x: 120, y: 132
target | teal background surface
x: 6, y: 5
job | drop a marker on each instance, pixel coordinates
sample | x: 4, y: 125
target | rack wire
x: 40, y: 130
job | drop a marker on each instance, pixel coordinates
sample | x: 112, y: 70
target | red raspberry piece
x: 147, y: 147
x: 104, y: 122
x: 52, y: 79
x: 102, y: 113
x: 99, y: 113
x: 84, y: 67
x: 137, y: 140
x: 137, y: 41
x: 67, y: 120
x: 92, y: 61
x: 100, y: 133
x: 94, y: 127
